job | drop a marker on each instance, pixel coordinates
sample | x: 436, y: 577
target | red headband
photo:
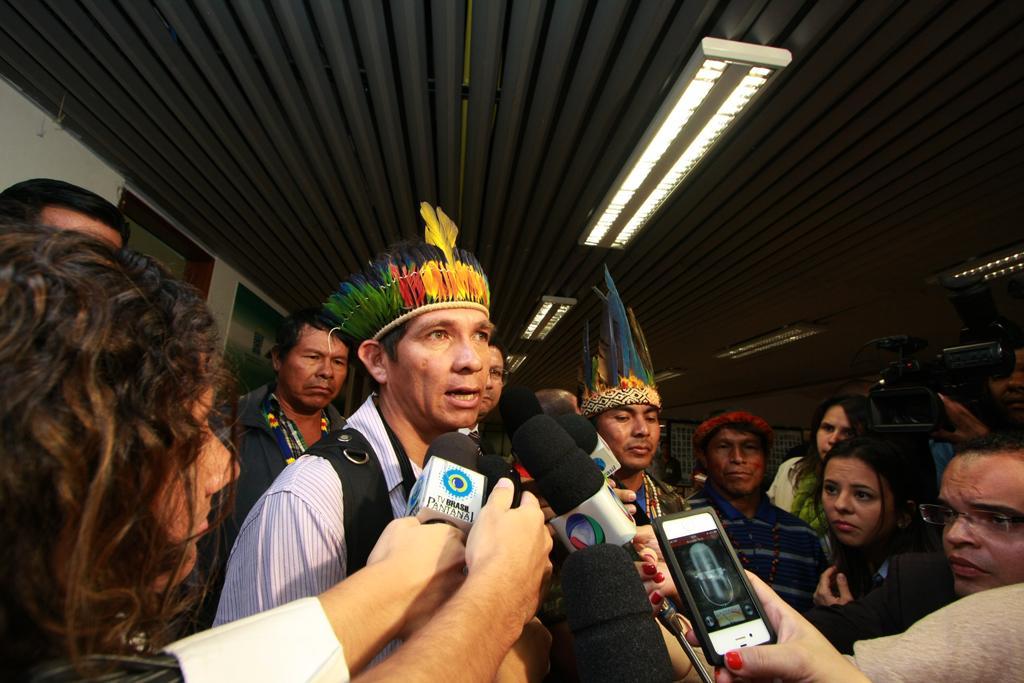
x: 708, y: 426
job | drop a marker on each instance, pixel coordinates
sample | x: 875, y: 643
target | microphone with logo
x: 587, y: 438
x: 450, y: 489
x: 615, y: 635
x: 588, y: 511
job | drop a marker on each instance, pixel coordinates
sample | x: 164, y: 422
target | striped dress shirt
x: 292, y: 543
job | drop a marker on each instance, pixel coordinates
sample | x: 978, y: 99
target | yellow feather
x: 440, y: 230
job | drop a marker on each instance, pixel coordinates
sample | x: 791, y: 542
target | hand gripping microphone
x: 450, y: 489
x: 588, y: 511
x: 494, y: 468
x: 591, y: 443
x: 615, y: 635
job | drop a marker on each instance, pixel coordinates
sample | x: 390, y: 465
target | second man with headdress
x: 620, y: 397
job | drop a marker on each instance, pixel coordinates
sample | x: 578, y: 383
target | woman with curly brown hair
x: 109, y: 372
x: 108, y: 473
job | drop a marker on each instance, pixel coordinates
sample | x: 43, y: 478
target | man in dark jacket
x: 282, y: 419
x: 278, y: 422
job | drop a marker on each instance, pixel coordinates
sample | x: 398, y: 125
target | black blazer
x: 917, y: 585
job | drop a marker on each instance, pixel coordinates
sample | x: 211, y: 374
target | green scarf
x: 803, y: 503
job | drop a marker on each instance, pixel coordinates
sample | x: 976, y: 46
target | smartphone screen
x: 718, y: 593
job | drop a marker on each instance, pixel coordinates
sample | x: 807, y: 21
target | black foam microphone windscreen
x: 565, y: 475
x: 580, y: 429
x: 454, y: 447
x: 517, y: 405
x: 616, y: 637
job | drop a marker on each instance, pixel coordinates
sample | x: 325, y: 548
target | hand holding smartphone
x: 726, y: 614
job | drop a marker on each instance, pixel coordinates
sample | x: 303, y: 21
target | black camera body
x: 906, y: 398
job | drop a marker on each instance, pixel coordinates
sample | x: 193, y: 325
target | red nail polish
x: 656, y: 598
x: 650, y: 569
x: 734, y: 660
x: 659, y: 577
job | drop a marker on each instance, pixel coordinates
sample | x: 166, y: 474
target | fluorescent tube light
x: 786, y: 335
x: 718, y: 83
x: 667, y: 374
x: 999, y: 264
x: 514, y: 360
x: 549, y: 311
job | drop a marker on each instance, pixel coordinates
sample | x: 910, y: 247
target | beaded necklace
x: 776, y: 543
x: 651, y: 496
x: 291, y: 440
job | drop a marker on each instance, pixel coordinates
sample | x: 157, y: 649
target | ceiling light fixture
x: 999, y: 264
x: 785, y: 335
x: 549, y: 311
x: 514, y: 360
x: 667, y: 374
x: 719, y: 82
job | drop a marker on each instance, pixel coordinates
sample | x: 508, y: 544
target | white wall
x: 32, y: 145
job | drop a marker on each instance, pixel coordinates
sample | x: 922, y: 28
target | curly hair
x: 105, y: 357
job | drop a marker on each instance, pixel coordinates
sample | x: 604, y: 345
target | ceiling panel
x: 297, y: 138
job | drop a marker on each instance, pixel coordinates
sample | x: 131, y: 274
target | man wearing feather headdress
x: 621, y: 399
x: 418, y: 319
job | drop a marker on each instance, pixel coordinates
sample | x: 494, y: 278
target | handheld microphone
x: 586, y: 437
x: 588, y: 511
x: 449, y: 490
x: 517, y: 405
x: 615, y: 635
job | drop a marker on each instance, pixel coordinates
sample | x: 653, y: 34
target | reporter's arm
x: 802, y: 654
x: 294, y: 642
x: 506, y: 556
x: 411, y: 571
x: 978, y: 637
x: 529, y: 660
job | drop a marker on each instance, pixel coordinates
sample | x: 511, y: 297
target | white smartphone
x: 722, y: 605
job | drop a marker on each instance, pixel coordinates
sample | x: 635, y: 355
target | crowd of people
x: 158, y: 525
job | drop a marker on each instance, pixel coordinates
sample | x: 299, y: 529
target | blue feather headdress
x: 621, y: 372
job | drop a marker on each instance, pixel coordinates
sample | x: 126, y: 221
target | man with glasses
x: 981, y: 513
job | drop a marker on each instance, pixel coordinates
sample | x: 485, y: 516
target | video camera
x: 906, y: 400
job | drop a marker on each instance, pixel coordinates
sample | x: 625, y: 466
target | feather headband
x: 409, y: 280
x: 621, y: 372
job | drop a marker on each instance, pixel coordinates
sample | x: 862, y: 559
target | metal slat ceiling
x: 295, y: 138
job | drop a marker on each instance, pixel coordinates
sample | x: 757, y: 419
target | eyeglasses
x: 498, y: 375
x: 981, y: 519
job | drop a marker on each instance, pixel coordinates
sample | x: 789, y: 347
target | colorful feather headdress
x: 621, y: 372
x: 409, y: 280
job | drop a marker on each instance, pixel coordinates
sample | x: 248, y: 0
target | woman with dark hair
x: 796, y: 482
x: 108, y: 474
x: 869, y: 495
